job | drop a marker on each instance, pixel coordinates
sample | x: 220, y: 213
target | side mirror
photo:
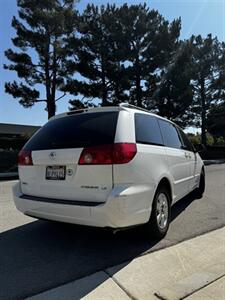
x: 200, y: 148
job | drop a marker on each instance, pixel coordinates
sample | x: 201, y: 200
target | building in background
x: 12, y: 139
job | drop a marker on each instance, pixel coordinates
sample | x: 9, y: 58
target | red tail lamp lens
x: 25, y: 158
x: 123, y: 152
x: 119, y: 153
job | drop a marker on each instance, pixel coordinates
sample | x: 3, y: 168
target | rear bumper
x: 125, y: 206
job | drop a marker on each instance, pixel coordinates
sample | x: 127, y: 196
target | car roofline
x: 122, y: 107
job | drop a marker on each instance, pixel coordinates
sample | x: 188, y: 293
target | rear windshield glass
x: 75, y: 131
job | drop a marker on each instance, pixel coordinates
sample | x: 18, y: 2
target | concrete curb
x: 172, y: 273
x: 213, y: 162
x: 208, y: 293
x: 94, y: 287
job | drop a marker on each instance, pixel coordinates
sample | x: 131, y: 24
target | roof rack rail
x: 124, y: 104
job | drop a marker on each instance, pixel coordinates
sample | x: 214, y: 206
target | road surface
x: 38, y: 255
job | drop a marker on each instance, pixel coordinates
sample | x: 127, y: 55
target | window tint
x: 147, y: 130
x: 75, y: 131
x: 170, y: 135
x: 186, y: 143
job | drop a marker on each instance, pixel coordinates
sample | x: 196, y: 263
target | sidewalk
x: 191, y: 270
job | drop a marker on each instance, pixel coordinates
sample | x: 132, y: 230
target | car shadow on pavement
x: 182, y: 204
x: 41, y: 255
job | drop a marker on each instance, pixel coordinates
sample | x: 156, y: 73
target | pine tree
x: 205, y: 81
x: 120, y: 48
x: 148, y: 41
x: 173, y: 93
x: 98, y: 57
x: 42, y: 30
x: 216, y: 120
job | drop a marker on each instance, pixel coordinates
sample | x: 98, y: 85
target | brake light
x: 119, y: 153
x: 25, y: 158
x: 123, y: 152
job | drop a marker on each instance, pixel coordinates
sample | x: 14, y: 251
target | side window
x: 147, y: 130
x: 186, y: 143
x: 170, y: 135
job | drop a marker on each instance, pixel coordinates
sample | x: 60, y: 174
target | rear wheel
x: 161, y: 213
x: 200, y: 190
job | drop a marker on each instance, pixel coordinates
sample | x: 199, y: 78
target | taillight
x: 98, y: 155
x: 119, y: 153
x: 123, y: 152
x: 24, y: 158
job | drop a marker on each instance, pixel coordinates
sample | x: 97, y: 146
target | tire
x: 201, y: 189
x: 159, y: 221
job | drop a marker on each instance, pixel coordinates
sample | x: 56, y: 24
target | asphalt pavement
x: 39, y: 255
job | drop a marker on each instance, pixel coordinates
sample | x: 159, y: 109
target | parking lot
x: 38, y: 255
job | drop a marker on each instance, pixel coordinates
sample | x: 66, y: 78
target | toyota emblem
x: 52, y: 155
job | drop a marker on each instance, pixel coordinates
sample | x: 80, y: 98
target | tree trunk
x: 138, y: 83
x: 138, y: 91
x: 203, y: 112
x: 104, y: 88
x: 51, y: 102
x: 50, y: 94
x: 51, y: 108
x: 104, y: 95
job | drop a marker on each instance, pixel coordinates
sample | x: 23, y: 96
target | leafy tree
x: 41, y: 35
x: 205, y: 80
x: 196, y: 139
x: 220, y: 141
x: 209, y: 139
x: 216, y: 120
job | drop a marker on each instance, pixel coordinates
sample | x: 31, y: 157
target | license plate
x: 55, y: 173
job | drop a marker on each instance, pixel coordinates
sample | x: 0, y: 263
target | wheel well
x: 165, y: 182
x: 203, y: 170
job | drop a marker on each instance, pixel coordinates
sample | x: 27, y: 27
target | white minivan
x: 108, y: 167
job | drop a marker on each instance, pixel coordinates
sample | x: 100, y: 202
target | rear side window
x: 170, y: 135
x: 76, y: 131
x: 147, y: 130
x: 187, y: 145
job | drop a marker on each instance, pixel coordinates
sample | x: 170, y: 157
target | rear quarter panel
x: 146, y: 170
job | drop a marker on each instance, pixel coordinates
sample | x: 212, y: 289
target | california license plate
x: 55, y: 173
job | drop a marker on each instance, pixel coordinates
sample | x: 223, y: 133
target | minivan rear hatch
x: 55, y: 150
